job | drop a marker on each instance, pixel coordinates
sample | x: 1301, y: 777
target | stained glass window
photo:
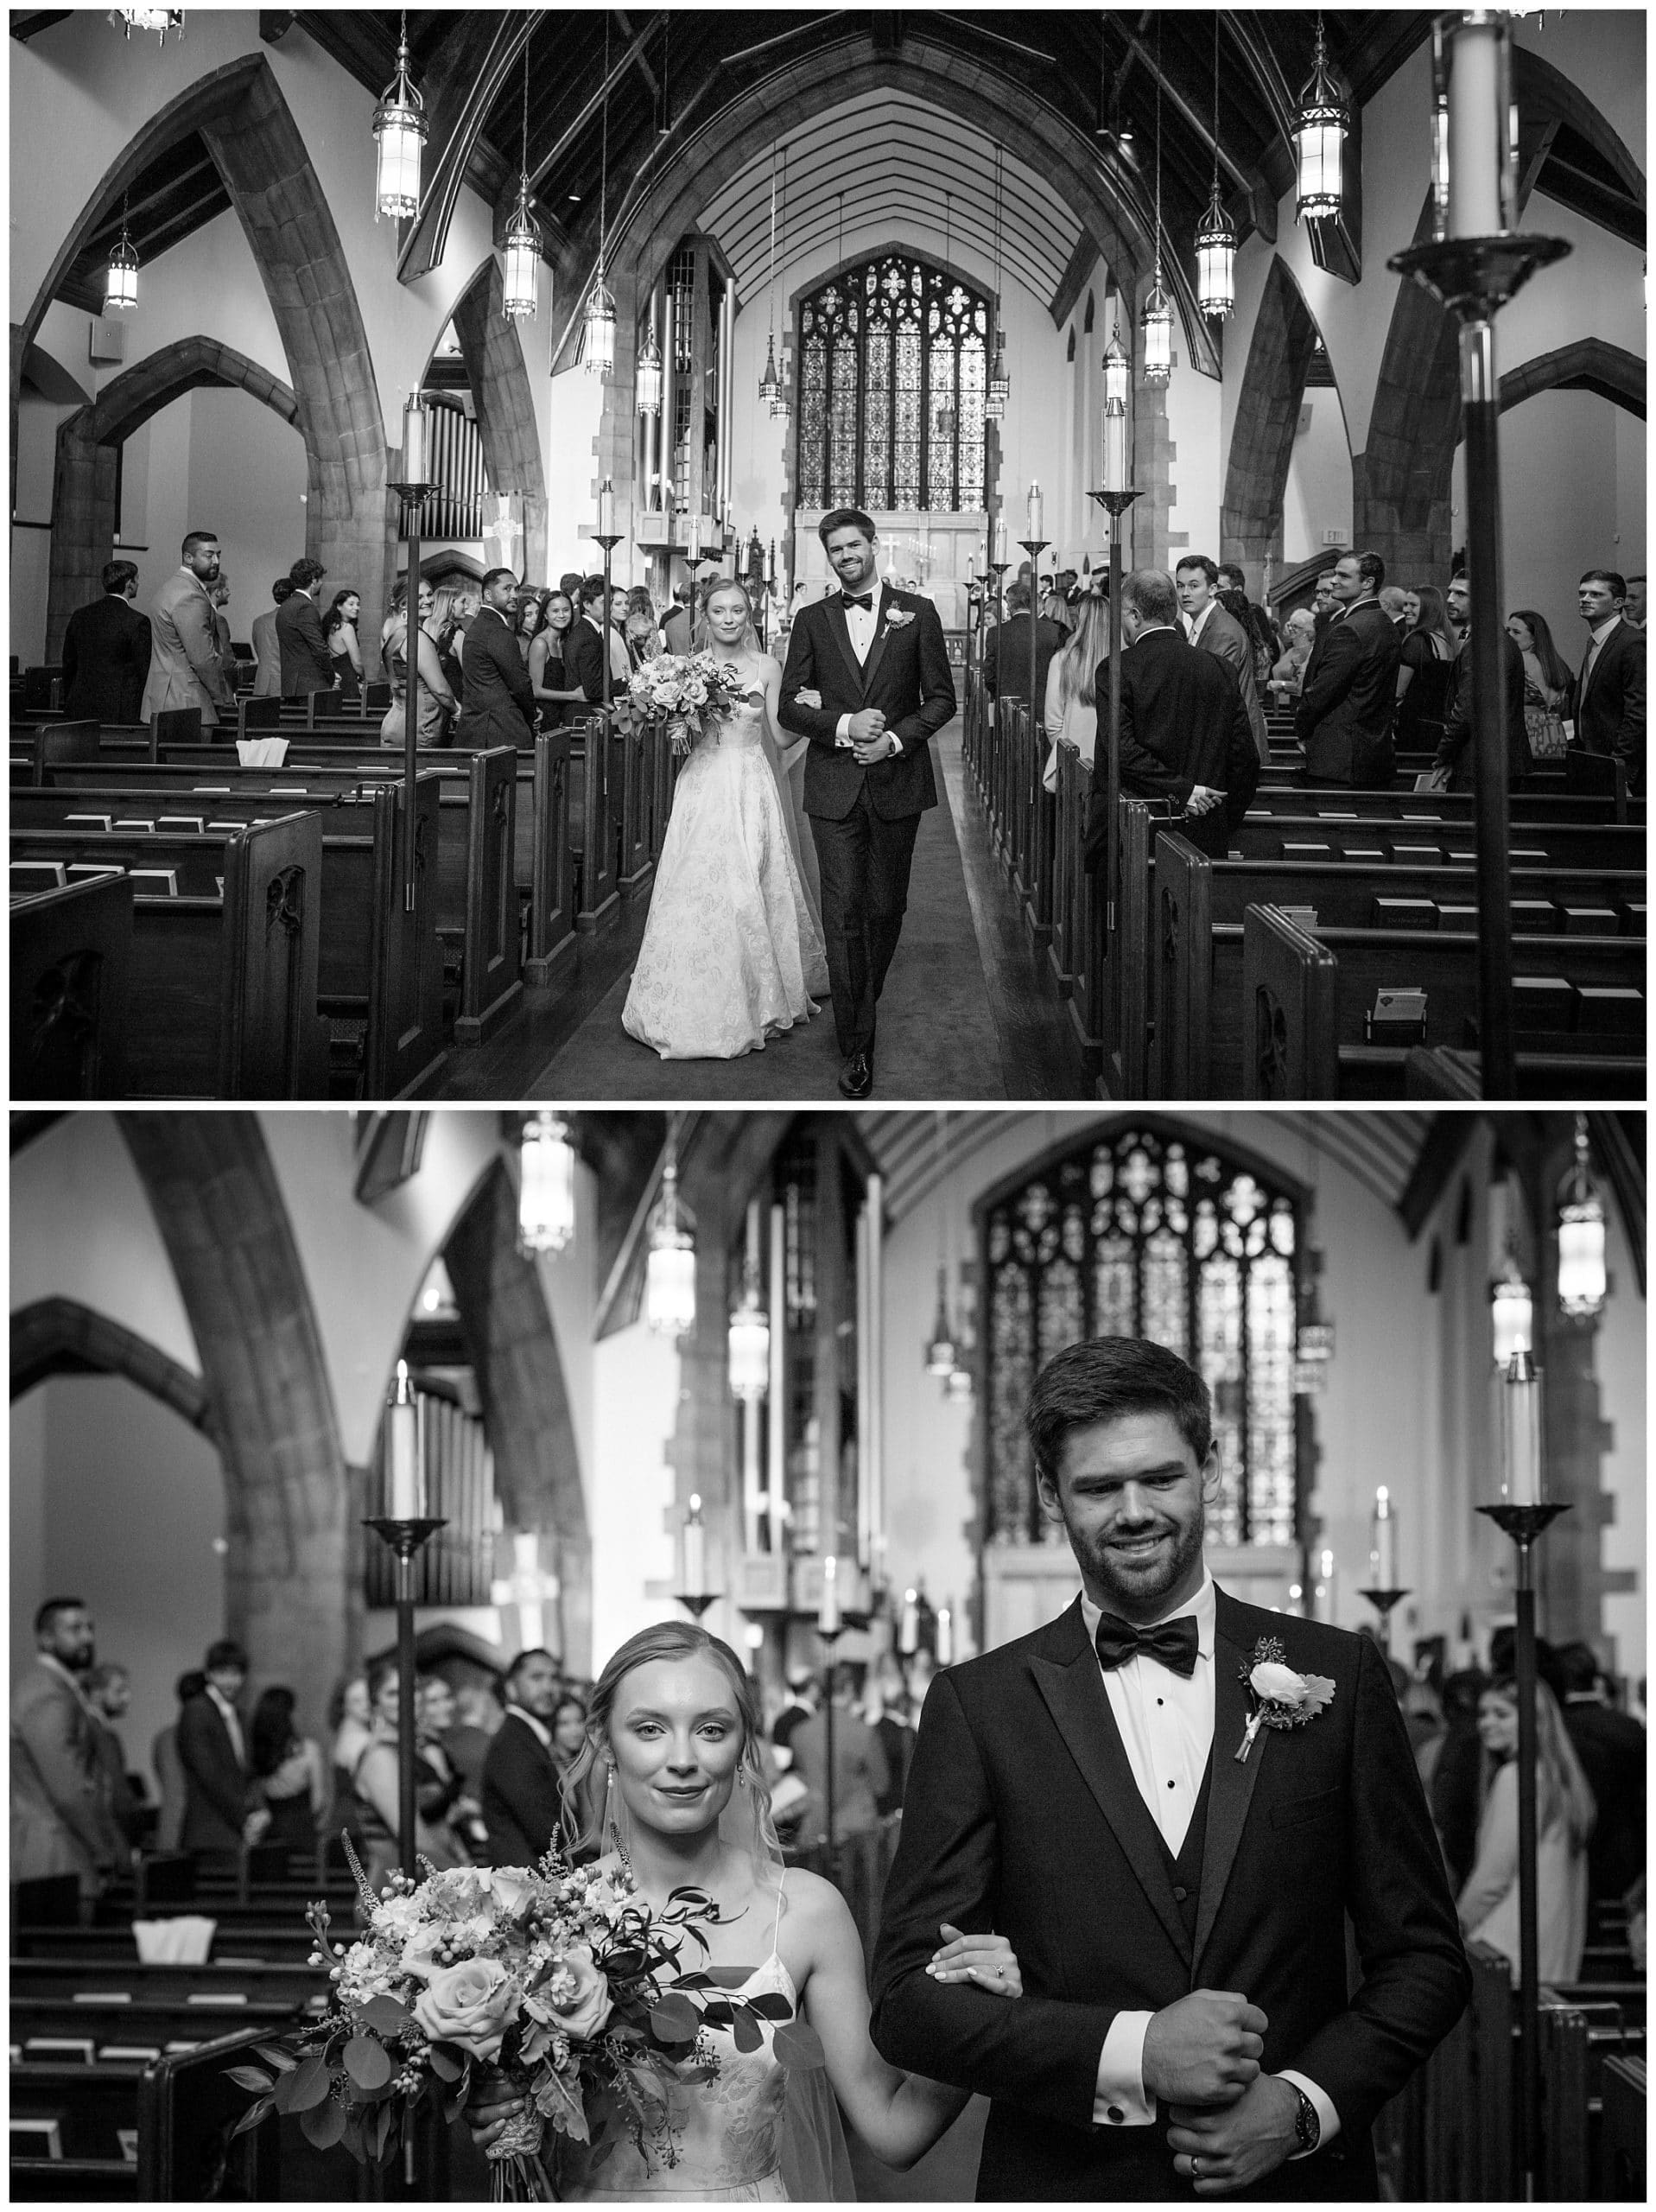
x: 1145, y: 1232
x: 892, y: 356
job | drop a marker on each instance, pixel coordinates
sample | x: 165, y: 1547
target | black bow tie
x: 850, y: 598
x: 1173, y: 1643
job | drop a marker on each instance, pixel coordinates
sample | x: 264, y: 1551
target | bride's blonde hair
x: 701, y: 635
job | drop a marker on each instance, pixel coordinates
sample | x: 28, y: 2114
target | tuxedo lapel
x: 1076, y: 1697
x: 1231, y: 1786
x: 876, y: 650
x: 836, y: 622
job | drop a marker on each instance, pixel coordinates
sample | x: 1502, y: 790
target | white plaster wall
x: 1317, y: 495
x: 26, y: 1521
x: 1195, y: 408
x: 575, y: 402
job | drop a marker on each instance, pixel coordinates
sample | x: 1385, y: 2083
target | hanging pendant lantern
x: 940, y: 1352
x: 771, y: 383
x: 546, y: 1195
x: 1581, y: 1278
x: 1215, y: 254
x: 1320, y: 130
x: 648, y: 374
x: 1118, y: 371
x: 749, y: 1344
x: 400, y: 131
x: 522, y: 260
x: 999, y: 389
x: 159, y: 20
x: 121, y: 278
x: 1159, y: 334
x: 958, y: 1387
x: 669, y: 1270
x: 599, y: 350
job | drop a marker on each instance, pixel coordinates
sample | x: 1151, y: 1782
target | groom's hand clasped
x: 1221, y: 2151
x: 1205, y: 2049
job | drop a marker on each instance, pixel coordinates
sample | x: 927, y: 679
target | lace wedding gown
x: 733, y: 952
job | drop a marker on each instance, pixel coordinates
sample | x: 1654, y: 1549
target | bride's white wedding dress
x: 733, y: 951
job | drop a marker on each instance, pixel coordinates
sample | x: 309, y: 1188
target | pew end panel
x: 1290, y: 1049
x: 71, y: 983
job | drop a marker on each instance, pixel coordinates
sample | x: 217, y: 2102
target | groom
x: 876, y: 659
x: 1179, y: 1914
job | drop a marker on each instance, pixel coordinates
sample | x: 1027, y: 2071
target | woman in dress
x: 374, y: 1786
x: 1424, y: 673
x: 547, y: 674
x: 531, y: 614
x: 433, y: 700
x: 1547, y: 683
x: 733, y: 952
x: 340, y: 628
x: 673, y: 1731
x: 288, y: 1771
x: 1564, y: 1812
x: 640, y: 630
x: 1288, y: 673
x: 1070, y: 714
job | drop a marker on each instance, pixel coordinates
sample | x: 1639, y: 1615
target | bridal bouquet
x: 691, y: 690
x: 561, y: 1978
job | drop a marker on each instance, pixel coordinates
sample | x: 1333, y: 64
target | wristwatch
x: 1308, y: 2128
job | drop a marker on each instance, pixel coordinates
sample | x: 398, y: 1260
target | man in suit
x: 60, y: 1819
x: 1175, y: 1875
x: 593, y: 636
x: 1634, y: 612
x: 1006, y: 649
x: 185, y: 670
x: 1210, y: 627
x: 219, y: 1815
x: 862, y: 1774
x: 1458, y: 754
x: 875, y: 659
x: 522, y: 1808
x: 266, y: 649
x: 1185, y: 730
x: 1610, y: 1745
x: 1350, y: 694
x: 675, y: 625
x: 1610, y: 696
x: 497, y: 699
x: 106, y: 652
x: 307, y: 664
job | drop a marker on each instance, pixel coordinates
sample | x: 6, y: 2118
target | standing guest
x: 1422, y: 677
x: 288, y: 1771
x: 435, y: 703
x: 1564, y: 1821
x: 220, y: 1814
x: 439, y: 1787
x: 267, y: 649
x: 589, y: 639
x: 1185, y: 730
x: 583, y: 1798
x: 1457, y: 1777
x: 351, y: 1722
x: 549, y: 677
x: 531, y: 613
x: 221, y: 627
x: 1006, y: 653
x: 1254, y: 619
x: 1610, y: 1745
x: 888, y: 1714
x: 804, y: 1694
x: 675, y: 623
x: 1394, y: 605
x: 479, y: 1710
x: 861, y: 1776
x: 171, y: 1787
x: 306, y: 661
x: 1610, y: 696
x: 640, y: 630
x: 377, y: 1790
x: 1635, y: 609
x: 1324, y: 604
x: 1072, y: 686
x: 1411, y: 610
x: 1547, y: 683
x: 61, y: 1822
x: 109, y: 1695
x: 341, y: 631
x: 1454, y: 766
x: 106, y: 652
x: 1288, y: 672
x: 185, y: 668
x: 444, y: 628
x: 1348, y: 695
x: 1207, y: 626
x: 520, y: 1774
x: 496, y: 704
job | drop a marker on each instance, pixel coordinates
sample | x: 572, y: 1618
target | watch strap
x: 1308, y: 2128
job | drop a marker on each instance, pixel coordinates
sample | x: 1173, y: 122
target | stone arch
x: 60, y: 1336
x: 84, y: 516
x: 290, y: 1592
x: 493, y: 354
x: 1585, y: 364
x: 1267, y: 416
x: 249, y: 129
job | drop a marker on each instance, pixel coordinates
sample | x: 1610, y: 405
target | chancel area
x: 1108, y: 333
x: 592, y: 1373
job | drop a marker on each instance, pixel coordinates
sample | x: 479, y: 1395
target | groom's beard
x: 1134, y: 1592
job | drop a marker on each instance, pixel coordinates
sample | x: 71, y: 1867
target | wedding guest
x: 340, y: 630
x: 435, y: 703
x: 520, y: 1774
x: 350, y: 1721
x: 479, y: 1710
x: 1006, y: 650
x: 1610, y: 1745
x: 640, y: 630
x: 171, y: 1787
x: 675, y: 623
x: 288, y: 1771
x: 1635, y: 616
x: 307, y: 659
x: 61, y: 1822
x: 1455, y: 765
x: 1429, y: 650
x: 569, y: 1728
x: 531, y: 613
x: 497, y: 705
x: 1456, y: 1794
x: 861, y: 1776
x: 1610, y: 696
x: 439, y: 1787
x: 1564, y: 1817
x: 547, y: 676
x: 1411, y: 610
x: 1257, y: 627
x: 267, y: 650
x: 887, y: 1712
x: 105, y: 653
x: 444, y: 628
x: 374, y: 1783
x: 109, y: 1695
x: 1072, y: 686
x: 1323, y: 602
x: 1347, y: 696
x: 593, y: 636
x: 220, y: 596
x: 220, y: 1811
x: 804, y: 1694
x: 1288, y: 671
x: 1209, y: 627
x: 185, y: 667
x: 1548, y: 683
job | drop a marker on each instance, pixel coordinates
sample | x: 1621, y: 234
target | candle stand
x: 1525, y: 1525
x: 609, y: 542
x: 829, y: 1637
x: 694, y: 1602
x: 413, y: 497
x: 1034, y: 547
x: 1383, y: 1601
x: 407, y: 1539
x: 1116, y: 502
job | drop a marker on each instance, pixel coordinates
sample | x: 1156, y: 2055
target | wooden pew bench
x: 71, y: 960
x: 1310, y: 837
x: 1580, y: 2033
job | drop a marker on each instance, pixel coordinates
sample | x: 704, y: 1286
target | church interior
x: 624, y: 285
x: 751, y: 1366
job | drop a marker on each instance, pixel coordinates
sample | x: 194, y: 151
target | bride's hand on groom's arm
x: 988, y: 1960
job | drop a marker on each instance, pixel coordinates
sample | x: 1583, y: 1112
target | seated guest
x: 1548, y: 684
x: 220, y: 1812
x: 106, y: 652
x: 267, y: 649
x: 1006, y: 650
x: 1564, y: 1818
x: 1454, y: 766
x: 306, y: 661
x: 1610, y: 695
x: 171, y: 1788
x: 1610, y: 1745
x: 1206, y: 625
x: 521, y: 1806
x: 109, y: 1695
x: 1072, y: 681
x: 549, y: 678
x: 1348, y: 694
x: 61, y: 1822
x: 376, y: 1790
x: 497, y: 703
x: 1288, y: 671
x: 185, y: 669
x: 340, y: 630
x: 288, y: 1771
x: 1422, y: 677
x: 1184, y: 731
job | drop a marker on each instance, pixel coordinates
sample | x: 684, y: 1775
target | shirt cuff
x: 1328, y: 2118
x: 842, y: 730
x: 897, y: 743
x: 1120, y: 2100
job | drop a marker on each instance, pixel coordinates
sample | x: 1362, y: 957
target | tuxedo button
x: 1180, y: 1893
x: 1115, y: 2113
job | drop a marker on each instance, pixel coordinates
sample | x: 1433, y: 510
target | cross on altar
x: 530, y: 1588
x: 506, y: 529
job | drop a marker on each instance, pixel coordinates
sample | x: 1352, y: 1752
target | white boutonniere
x: 1280, y: 1697
x: 899, y: 618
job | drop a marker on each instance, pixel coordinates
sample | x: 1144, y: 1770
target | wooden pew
x: 1377, y: 841
x: 222, y: 977
x: 1578, y: 2035
x: 71, y: 962
x: 552, y: 870
x: 1524, y: 807
x: 1623, y: 2132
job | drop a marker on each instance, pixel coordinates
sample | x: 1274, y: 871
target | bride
x: 732, y: 949
x: 673, y: 1729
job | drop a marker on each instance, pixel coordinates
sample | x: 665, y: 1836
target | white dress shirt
x: 232, y: 1721
x: 1194, y: 625
x: 1165, y: 1724
x: 861, y: 625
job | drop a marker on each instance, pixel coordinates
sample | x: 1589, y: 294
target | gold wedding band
x: 1195, y: 2169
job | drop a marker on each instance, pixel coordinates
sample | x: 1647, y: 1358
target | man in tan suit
x: 185, y: 669
x: 1207, y: 624
x: 60, y: 1821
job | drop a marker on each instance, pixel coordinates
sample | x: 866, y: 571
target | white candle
x: 414, y: 441
x: 607, y: 509
x: 1115, y: 449
x: 695, y: 1552
x: 1035, y: 514
x: 908, y: 1633
x: 827, y: 1614
x: 945, y: 1637
x: 1323, y: 1594
x: 1521, y: 1433
x: 1476, y: 127
x: 1382, y: 1546
x: 404, y: 1416
x: 1001, y: 540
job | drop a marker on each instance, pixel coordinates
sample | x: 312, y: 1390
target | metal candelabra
x: 407, y: 1539
x: 1034, y: 547
x: 830, y: 1636
x: 1383, y: 1601
x: 609, y: 544
x: 1116, y: 504
x: 414, y: 497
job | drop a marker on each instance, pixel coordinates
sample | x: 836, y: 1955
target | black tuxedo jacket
x: 307, y: 664
x: 1611, y: 1748
x: 497, y: 698
x: 1456, y: 750
x: 217, y: 1800
x: 1011, y: 680
x: 1348, y: 699
x: 1610, y: 709
x: 105, y: 661
x: 1183, y: 722
x: 1021, y: 1815
x: 583, y: 663
x: 521, y: 1805
x: 906, y: 676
